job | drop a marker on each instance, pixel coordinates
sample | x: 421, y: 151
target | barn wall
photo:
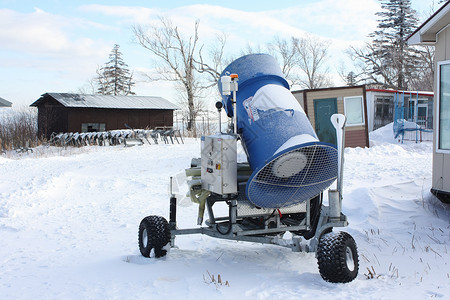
x: 52, y: 117
x: 117, y: 118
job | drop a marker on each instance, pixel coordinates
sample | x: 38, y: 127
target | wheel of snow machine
x: 337, y: 257
x: 154, y: 233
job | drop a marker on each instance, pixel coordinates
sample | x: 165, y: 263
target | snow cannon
x: 289, y: 164
x: 281, y: 187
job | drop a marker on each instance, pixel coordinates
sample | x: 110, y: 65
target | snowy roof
x: 4, y: 103
x: 426, y: 33
x: 108, y: 101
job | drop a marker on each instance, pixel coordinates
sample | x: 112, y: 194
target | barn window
x: 353, y: 107
x: 93, y: 127
x: 444, y: 106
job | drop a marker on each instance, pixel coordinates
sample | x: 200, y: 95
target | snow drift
x: 69, y: 221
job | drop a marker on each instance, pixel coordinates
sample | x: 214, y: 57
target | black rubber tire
x: 337, y: 257
x: 154, y: 233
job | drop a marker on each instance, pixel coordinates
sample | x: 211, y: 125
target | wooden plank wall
x: 355, y: 136
x: 117, y: 118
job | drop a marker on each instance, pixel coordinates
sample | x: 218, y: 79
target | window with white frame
x: 354, y: 110
x: 444, y: 105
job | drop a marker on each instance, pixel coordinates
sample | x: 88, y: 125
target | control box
x: 219, y: 164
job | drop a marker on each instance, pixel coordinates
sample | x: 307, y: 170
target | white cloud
x: 48, y: 42
x: 69, y: 47
x: 343, y: 22
x: 131, y: 14
x: 40, y: 32
x: 43, y: 52
x: 237, y: 21
x: 30, y: 32
x: 350, y: 19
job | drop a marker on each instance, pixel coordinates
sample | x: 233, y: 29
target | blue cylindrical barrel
x: 289, y: 163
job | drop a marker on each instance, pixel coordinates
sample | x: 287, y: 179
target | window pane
x: 92, y: 127
x: 411, y: 110
x: 444, y: 105
x: 386, y: 111
x: 379, y: 110
x: 354, y: 110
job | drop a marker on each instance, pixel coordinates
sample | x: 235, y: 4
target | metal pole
x: 207, y: 121
x: 335, y: 196
x: 416, y: 112
x: 234, y: 106
x: 220, y: 121
x: 172, y: 209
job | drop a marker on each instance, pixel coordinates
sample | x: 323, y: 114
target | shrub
x: 18, y: 129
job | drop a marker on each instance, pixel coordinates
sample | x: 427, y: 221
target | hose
x: 229, y: 222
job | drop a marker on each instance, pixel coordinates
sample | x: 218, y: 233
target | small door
x: 323, y: 110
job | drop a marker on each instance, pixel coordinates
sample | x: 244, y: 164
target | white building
x: 413, y: 106
x: 436, y: 31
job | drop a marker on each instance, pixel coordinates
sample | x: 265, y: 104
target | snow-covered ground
x: 69, y: 221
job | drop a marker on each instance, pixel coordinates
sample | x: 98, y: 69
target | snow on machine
x: 281, y: 187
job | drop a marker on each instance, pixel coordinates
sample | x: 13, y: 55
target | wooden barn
x: 320, y: 104
x: 65, y: 112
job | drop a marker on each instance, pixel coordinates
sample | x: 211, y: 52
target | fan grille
x: 294, y: 176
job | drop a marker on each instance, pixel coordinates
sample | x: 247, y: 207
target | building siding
x: 441, y: 161
x: 332, y: 93
x: 355, y: 136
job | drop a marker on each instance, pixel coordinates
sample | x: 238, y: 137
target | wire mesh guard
x: 293, y: 176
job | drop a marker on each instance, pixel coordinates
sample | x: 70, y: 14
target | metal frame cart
x: 217, y: 177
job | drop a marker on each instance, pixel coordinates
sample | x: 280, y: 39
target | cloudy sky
x: 57, y: 45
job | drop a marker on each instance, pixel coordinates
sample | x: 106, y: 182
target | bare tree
x: 214, y: 62
x: 19, y: 129
x: 417, y: 70
x: 177, y: 56
x: 286, y: 52
x: 373, y: 66
x: 351, y: 77
x: 312, y: 57
x: 422, y: 78
x: 302, y: 60
x: 249, y: 49
x: 90, y: 87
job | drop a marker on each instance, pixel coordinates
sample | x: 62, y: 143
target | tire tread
x: 331, y: 257
x: 158, y: 231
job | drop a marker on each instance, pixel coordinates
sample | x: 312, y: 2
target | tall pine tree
x: 397, y: 22
x: 114, y: 78
x: 389, y: 60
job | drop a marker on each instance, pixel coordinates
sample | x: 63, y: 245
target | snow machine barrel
x: 289, y: 163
